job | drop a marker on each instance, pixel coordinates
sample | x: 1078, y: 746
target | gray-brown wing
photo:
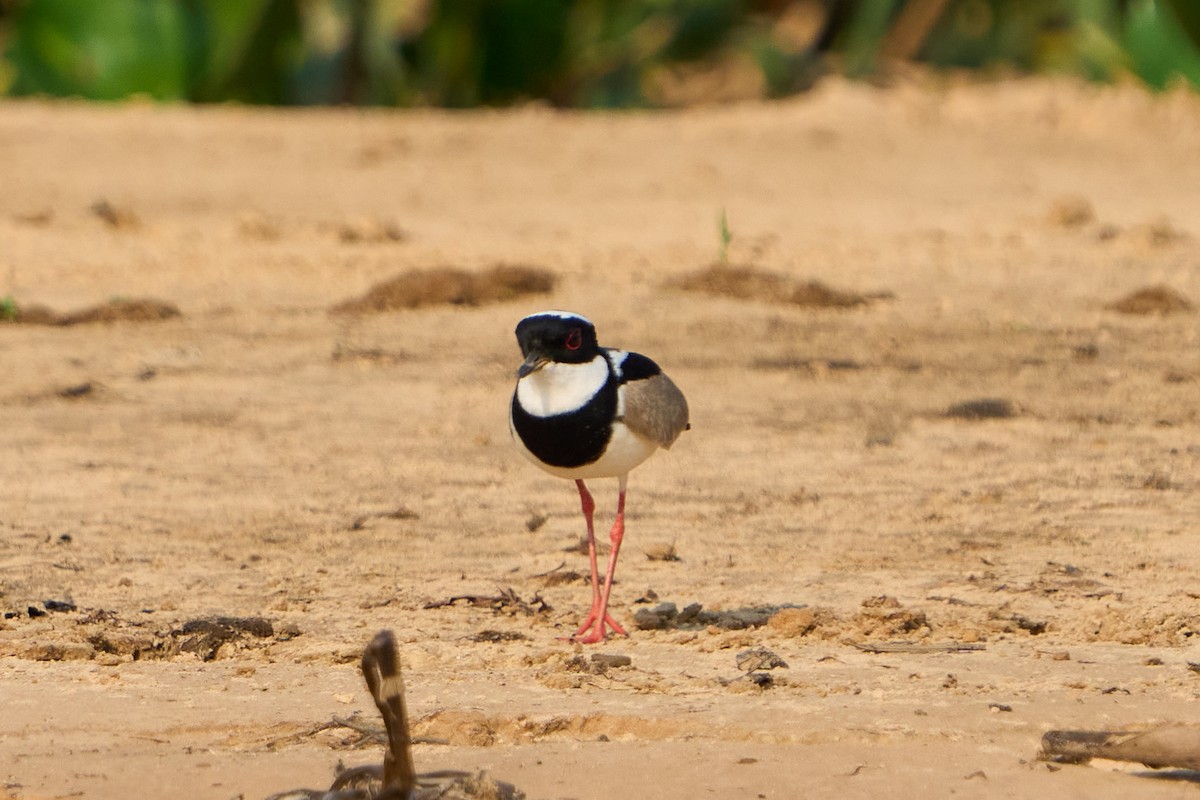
x: 655, y: 409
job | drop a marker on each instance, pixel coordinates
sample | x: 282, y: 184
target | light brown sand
x: 220, y: 459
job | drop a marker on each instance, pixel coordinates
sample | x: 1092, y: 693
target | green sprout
x: 8, y: 308
x: 726, y: 236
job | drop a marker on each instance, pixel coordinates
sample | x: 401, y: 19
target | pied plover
x: 584, y: 411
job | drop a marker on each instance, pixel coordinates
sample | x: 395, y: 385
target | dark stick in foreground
x: 397, y: 779
x: 381, y: 668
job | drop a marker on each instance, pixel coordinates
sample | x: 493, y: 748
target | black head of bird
x: 565, y: 338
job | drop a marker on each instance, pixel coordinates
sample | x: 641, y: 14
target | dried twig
x: 914, y: 648
x: 561, y: 564
x: 506, y: 600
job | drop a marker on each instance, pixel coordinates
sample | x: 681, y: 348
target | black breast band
x: 572, y: 439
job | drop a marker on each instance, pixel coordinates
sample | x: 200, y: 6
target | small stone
x: 759, y: 658
x: 76, y: 391
x: 655, y: 618
x: 611, y: 659
x: 287, y: 631
x: 983, y: 408
x: 1071, y: 211
x: 58, y: 605
x: 762, y: 680
x: 113, y: 215
x: 690, y: 613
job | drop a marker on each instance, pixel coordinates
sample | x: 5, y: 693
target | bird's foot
x: 592, y: 630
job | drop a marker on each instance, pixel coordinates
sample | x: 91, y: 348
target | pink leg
x: 589, y: 506
x: 598, y: 617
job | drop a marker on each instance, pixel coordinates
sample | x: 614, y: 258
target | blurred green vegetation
x: 573, y: 53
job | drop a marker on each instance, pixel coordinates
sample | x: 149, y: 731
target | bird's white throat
x: 558, y: 388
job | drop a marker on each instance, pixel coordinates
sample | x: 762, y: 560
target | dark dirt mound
x: 750, y: 283
x: 133, y: 310
x: 370, y: 230
x: 448, y: 286
x: 1152, y: 300
x: 115, y: 216
x: 984, y: 408
x: 667, y: 616
x: 1071, y: 211
x: 118, y: 310
x: 30, y: 315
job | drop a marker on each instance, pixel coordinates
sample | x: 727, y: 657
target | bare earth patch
x: 906, y: 538
x: 750, y: 283
x: 117, y: 310
x: 1152, y: 300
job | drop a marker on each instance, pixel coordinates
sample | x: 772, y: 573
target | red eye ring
x: 575, y: 339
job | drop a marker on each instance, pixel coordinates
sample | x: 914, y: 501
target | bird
x: 581, y: 411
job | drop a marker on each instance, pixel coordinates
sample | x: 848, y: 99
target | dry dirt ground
x: 319, y: 475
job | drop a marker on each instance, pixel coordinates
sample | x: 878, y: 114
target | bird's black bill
x: 533, y: 362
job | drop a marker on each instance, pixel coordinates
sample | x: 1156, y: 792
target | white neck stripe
x: 559, y: 388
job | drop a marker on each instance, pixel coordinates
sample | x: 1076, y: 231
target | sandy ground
x: 258, y: 456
